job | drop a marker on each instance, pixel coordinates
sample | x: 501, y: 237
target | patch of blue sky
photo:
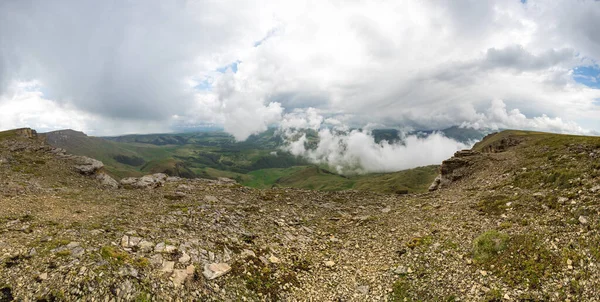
x: 587, y: 75
x: 207, y: 83
x: 233, y: 66
x: 204, y: 85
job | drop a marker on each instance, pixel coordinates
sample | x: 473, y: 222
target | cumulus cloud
x: 357, y: 152
x: 126, y: 60
x: 498, y: 117
x: 245, y: 65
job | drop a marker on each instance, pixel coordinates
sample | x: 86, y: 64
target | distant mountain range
x: 257, y: 162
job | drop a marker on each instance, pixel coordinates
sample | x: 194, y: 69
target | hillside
x: 515, y: 219
x: 257, y: 162
x: 186, y: 155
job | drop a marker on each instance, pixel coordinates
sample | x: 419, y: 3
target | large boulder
x: 145, y: 182
x: 86, y: 165
x: 91, y: 167
x: 107, y: 181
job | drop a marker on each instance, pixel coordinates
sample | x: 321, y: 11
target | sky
x: 117, y: 67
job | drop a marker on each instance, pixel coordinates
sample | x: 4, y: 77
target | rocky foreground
x: 515, y: 219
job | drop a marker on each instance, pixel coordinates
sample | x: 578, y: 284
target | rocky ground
x: 516, y: 222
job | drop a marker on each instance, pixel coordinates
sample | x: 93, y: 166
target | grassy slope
x: 413, y: 180
x: 7, y: 134
x: 549, y: 160
x: 105, y: 151
x: 216, y: 154
x: 316, y: 178
x: 265, y: 178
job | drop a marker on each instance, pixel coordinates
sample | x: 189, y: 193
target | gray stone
x: 86, y: 165
x: 145, y: 182
x: 247, y: 253
x: 184, y: 258
x: 215, y: 270
x: 145, y: 246
x: 77, y: 251
x: 363, y: 289
x: 167, y: 266
x: 179, y: 276
x: 156, y: 260
x: 134, y: 241
x: 160, y: 247
x: 210, y: 198
x: 107, y: 181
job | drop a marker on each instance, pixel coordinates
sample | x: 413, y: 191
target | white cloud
x: 498, y: 117
x: 356, y: 151
x: 408, y: 64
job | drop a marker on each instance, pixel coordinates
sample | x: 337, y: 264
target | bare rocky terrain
x: 514, y: 219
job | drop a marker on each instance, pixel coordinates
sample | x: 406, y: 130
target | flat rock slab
x: 215, y: 270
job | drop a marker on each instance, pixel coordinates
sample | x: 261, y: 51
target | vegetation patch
x: 111, y: 253
x: 129, y: 160
x: 268, y: 280
x: 520, y: 260
x: 493, y: 205
x: 419, y: 241
x: 489, y: 244
x: 400, y: 291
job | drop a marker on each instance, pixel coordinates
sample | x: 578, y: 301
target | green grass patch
x: 419, y: 241
x: 518, y: 260
x: 488, y: 245
x: 111, y: 253
x: 400, y: 291
x: 493, y: 205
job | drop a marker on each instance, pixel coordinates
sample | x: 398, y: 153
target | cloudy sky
x: 114, y: 67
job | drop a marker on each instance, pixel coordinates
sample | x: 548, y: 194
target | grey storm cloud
x: 121, y: 59
x: 420, y: 64
x: 520, y: 59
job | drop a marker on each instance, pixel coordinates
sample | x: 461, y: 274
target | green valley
x: 257, y: 162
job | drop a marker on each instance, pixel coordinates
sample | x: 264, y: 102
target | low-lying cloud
x: 356, y: 152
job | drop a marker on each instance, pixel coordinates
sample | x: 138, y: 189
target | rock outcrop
x: 26, y: 132
x: 486, y: 145
x: 453, y: 169
x: 89, y: 167
x: 145, y: 182
x: 86, y: 165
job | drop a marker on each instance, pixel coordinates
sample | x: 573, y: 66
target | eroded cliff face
x: 26, y: 132
x: 457, y: 166
x: 454, y: 168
